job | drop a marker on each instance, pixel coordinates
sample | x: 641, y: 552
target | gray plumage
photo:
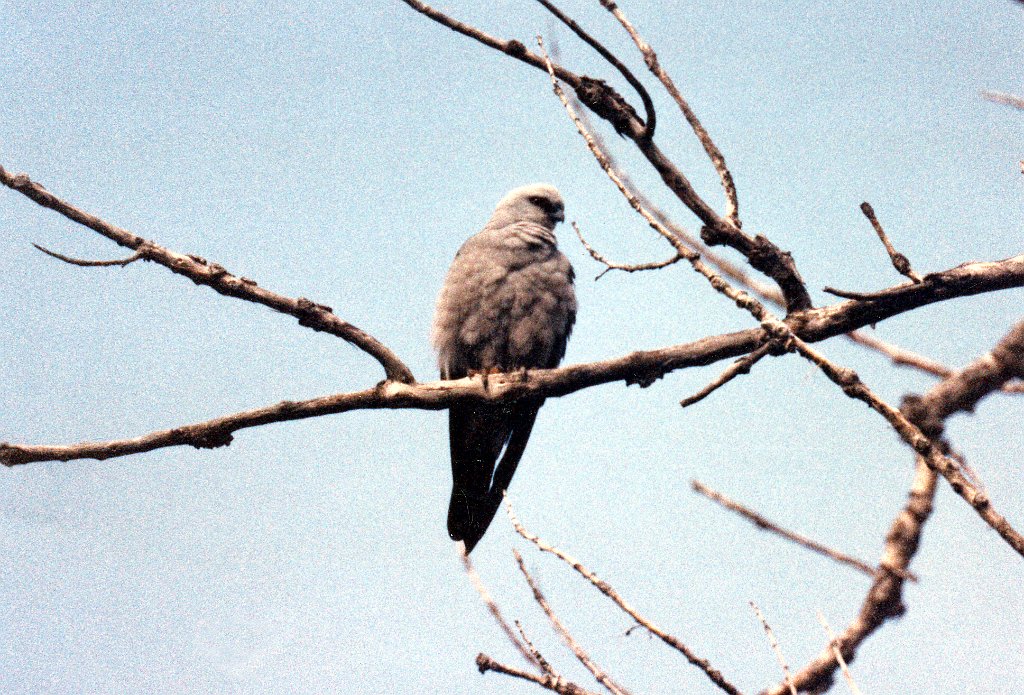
x: 507, y: 304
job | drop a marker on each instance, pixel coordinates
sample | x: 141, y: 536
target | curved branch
x: 312, y: 315
x: 636, y: 84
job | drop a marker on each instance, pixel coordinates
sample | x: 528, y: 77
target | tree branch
x: 959, y: 393
x: 604, y: 101
x: 900, y: 262
x: 563, y: 632
x: 605, y: 588
x: 810, y: 544
x: 547, y: 681
x: 642, y: 367
x: 315, y: 316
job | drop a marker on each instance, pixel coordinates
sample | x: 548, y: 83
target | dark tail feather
x: 476, y: 434
x: 482, y: 432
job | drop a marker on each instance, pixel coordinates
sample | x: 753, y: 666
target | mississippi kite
x: 507, y: 304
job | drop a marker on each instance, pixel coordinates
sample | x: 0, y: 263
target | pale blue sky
x: 342, y: 152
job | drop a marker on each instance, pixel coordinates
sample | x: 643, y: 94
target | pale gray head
x: 537, y: 202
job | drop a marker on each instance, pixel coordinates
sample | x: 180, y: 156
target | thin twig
x: 740, y: 366
x: 764, y: 524
x: 839, y: 655
x: 775, y: 648
x: 626, y: 267
x: 714, y: 154
x: 91, y: 264
x: 535, y: 654
x: 649, y: 121
x: 315, y: 316
x: 563, y: 632
x: 900, y: 262
x: 492, y: 607
x: 605, y: 588
x: 1004, y: 98
x: 547, y: 681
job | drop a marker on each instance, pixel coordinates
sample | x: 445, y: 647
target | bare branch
x: 740, y: 366
x: 766, y: 292
x: 626, y: 267
x: 1004, y: 98
x: 90, y: 264
x: 883, y: 601
x: 315, y: 316
x: 564, y: 633
x: 900, y: 262
x: 740, y: 298
x: 605, y: 588
x: 492, y: 607
x: 853, y: 387
x: 547, y: 681
x: 649, y: 123
x: 714, y: 154
x: 928, y: 412
x: 512, y: 48
x: 775, y: 648
x: 641, y: 367
x: 839, y: 655
x: 797, y: 538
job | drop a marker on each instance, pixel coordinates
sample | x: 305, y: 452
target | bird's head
x: 536, y: 202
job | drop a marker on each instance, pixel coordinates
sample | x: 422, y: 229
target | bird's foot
x: 484, y: 374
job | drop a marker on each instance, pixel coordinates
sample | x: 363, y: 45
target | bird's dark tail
x: 478, y: 433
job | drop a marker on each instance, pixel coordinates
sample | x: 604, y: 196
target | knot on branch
x: 916, y: 409
x: 515, y: 48
x: 310, y: 313
x: 212, y: 439
x: 601, y: 98
x: 712, y: 236
x: 484, y: 662
x: 644, y: 379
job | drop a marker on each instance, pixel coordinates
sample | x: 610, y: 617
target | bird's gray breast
x: 507, y: 303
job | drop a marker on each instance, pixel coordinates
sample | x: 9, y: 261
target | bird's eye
x: 542, y: 203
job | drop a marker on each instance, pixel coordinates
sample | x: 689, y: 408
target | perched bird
x: 507, y: 304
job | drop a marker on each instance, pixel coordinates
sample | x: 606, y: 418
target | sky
x: 342, y: 152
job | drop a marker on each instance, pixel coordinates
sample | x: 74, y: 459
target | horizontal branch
x: 643, y: 368
x: 312, y: 315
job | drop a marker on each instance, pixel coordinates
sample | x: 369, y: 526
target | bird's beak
x: 558, y: 216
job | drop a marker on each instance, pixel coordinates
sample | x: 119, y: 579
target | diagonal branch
x: 492, y: 607
x: 604, y: 101
x: 714, y: 154
x: 810, y: 544
x: 900, y: 262
x: 958, y: 393
x: 935, y: 459
x: 636, y: 84
x: 563, y: 632
x: 550, y: 682
x: 315, y: 316
x: 740, y: 366
x: 605, y: 588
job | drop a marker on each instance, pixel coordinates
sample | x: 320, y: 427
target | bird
x: 507, y: 305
